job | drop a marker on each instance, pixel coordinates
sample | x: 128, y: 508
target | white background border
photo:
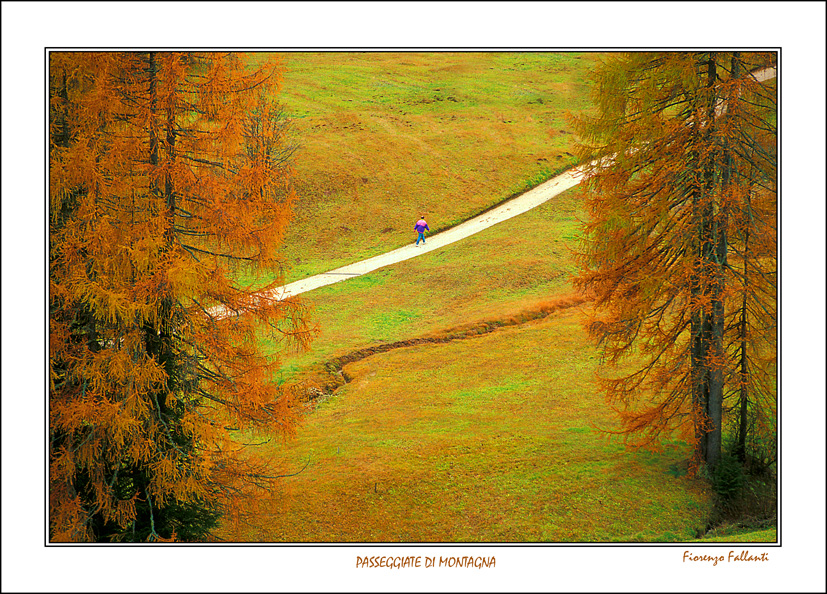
x: 27, y: 28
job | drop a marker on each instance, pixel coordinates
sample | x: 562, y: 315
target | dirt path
x: 512, y: 208
x: 517, y: 206
x: 523, y: 203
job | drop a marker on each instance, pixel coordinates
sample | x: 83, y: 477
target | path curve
x: 523, y: 203
x: 505, y: 211
x: 516, y: 206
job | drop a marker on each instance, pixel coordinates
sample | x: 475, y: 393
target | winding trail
x: 516, y: 206
x: 509, y: 209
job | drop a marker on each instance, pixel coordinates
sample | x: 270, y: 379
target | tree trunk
x: 715, y: 258
x: 743, y: 395
x: 741, y: 437
x: 696, y: 348
x: 169, y: 192
x: 706, y: 324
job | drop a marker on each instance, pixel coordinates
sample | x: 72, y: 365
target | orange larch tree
x: 169, y: 173
x: 678, y: 253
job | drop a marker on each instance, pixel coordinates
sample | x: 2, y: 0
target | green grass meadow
x: 385, y: 137
x: 489, y: 439
x: 495, y: 438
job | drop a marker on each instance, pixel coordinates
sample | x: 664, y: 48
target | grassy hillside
x: 387, y: 137
x: 510, y: 267
x: 488, y: 438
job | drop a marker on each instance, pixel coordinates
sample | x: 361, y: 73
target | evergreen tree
x: 682, y: 150
x: 169, y: 174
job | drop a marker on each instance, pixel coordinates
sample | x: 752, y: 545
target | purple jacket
x: 421, y: 226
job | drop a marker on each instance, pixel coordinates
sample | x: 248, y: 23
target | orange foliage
x: 682, y: 184
x: 168, y: 173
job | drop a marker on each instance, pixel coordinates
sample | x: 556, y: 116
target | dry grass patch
x: 498, y: 274
x: 489, y: 439
x: 483, y: 440
x: 386, y: 137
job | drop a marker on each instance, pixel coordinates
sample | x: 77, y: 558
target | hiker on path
x: 420, y: 227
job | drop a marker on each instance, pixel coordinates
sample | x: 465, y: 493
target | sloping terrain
x: 452, y: 395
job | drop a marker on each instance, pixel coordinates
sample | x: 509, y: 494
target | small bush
x: 728, y: 478
x: 746, y: 494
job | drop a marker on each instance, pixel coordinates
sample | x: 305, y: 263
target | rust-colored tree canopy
x: 168, y: 172
x: 680, y: 248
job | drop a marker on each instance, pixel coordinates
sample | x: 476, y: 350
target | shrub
x: 728, y: 478
x: 746, y: 493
